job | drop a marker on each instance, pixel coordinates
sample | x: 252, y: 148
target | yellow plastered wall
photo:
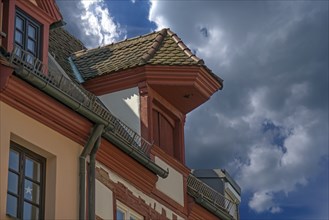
x: 62, y: 161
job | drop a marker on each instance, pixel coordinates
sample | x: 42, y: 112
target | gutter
x: 102, y: 128
x: 90, y: 148
x: 218, y: 212
x: 62, y: 97
x: 134, y: 153
x: 92, y: 181
x: 81, y: 109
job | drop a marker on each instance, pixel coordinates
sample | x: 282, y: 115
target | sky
x: 269, y: 125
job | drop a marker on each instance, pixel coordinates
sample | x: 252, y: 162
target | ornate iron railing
x: 200, y: 190
x: 75, y: 91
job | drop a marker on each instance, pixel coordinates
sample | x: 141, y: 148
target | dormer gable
x: 51, y: 8
x: 161, y: 59
x: 161, y: 73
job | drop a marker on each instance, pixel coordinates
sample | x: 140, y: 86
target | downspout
x: 101, y: 125
x: 81, y: 109
x: 92, y: 181
x: 78, y: 107
x: 91, y: 146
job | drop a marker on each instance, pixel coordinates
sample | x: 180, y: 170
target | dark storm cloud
x: 273, y: 57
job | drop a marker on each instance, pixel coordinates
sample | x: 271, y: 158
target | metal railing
x: 75, y: 91
x: 199, y: 189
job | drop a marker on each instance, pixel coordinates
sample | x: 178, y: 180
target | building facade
x: 98, y: 133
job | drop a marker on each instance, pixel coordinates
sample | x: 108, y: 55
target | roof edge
x: 155, y: 46
x: 191, y: 55
x: 183, y: 46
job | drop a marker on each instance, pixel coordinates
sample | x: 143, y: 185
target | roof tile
x: 61, y: 45
x: 158, y: 48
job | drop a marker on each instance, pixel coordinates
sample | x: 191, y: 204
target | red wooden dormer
x: 26, y: 23
x: 171, y: 81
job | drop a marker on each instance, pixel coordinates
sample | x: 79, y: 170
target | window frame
x: 23, y: 154
x: 28, y: 21
x: 177, y: 126
x: 161, y: 121
x: 129, y: 212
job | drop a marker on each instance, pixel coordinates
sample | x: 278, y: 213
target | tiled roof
x: 61, y: 45
x: 158, y: 48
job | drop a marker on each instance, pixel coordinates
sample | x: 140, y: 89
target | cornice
x: 158, y: 100
x: 44, y: 109
x: 51, y: 8
x: 185, y: 81
x: 154, y: 75
x: 114, y: 82
x: 121, y: 163
x: 157, y: 151
x: 198, y: 212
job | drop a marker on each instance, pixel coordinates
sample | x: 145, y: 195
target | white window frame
x: 130, y: 214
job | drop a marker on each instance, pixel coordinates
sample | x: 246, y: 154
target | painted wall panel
x: 125, y: 105
x: 104, y: 201
x: 139, y: 194
x: 172, y: 186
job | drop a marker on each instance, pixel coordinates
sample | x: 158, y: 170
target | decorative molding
x: 193, y: 85
x: 6, y: 73
x: 197, y: 212
x: 51, y: 8
x: 124, y: 195
x: 34, y: 11
x: 170, y: 202
x: 120, y: 162
x: 177, y: 165
x: 116, y: 81
x: 164, y: 105
x: 34, y: 103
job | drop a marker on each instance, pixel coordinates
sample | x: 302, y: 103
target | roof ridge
x: 155, y: 46
x: 186, y: 50
x: 115, y: 43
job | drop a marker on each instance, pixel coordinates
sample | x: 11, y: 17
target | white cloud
x: 272, y: 169
x: 94, y: 25
x: 263, y: 201
x: 274, y: 62
x: 96, y: 21
x: 156, y: 14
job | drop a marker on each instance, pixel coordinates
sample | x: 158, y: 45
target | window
x: 27, y: 35
x: 125, y: 213
x: 26, y: 180
x: 163, y: 130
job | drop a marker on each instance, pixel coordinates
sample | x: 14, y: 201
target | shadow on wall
x: 126, y: 107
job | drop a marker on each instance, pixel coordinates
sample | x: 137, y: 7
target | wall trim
x: 39, y: 106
